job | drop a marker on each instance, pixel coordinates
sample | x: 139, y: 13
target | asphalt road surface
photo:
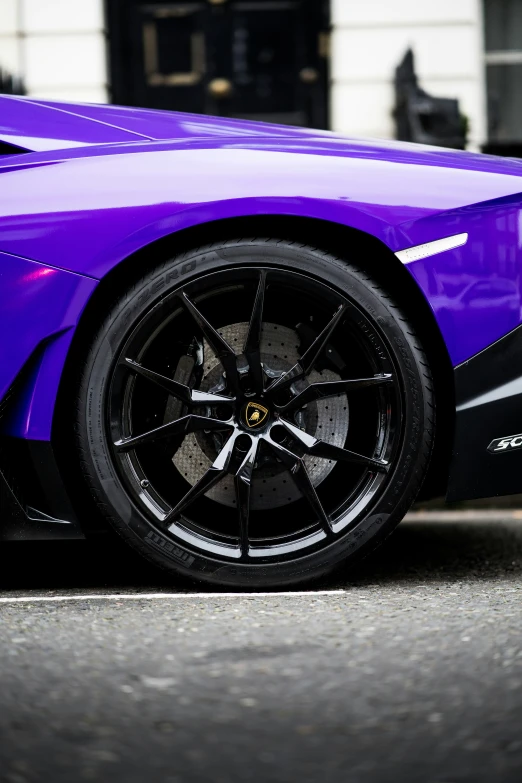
x: 409, y: 669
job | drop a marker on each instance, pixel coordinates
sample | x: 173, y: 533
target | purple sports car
x: 247, y: 347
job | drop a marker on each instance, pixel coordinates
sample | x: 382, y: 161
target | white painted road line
x: 19, y: 599
x: 466, y: 515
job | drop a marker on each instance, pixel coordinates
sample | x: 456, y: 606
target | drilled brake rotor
x: 272, y: 485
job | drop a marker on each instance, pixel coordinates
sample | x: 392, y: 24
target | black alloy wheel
x: 255, y: 420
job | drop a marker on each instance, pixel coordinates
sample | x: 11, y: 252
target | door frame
x: 120, y: 55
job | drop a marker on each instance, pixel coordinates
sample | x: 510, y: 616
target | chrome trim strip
x: 431, y: 248
x: 509, y: 389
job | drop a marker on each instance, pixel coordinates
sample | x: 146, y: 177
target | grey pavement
x: 413, y: 672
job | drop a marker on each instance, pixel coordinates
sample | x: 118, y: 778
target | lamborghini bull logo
x: 255, y: 414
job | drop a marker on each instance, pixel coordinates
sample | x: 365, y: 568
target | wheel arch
x: 344, y: 242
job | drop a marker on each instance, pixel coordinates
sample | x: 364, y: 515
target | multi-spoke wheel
x: 254, y: 413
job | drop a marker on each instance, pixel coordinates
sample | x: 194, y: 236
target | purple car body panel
x: 40, y: 127
x: 31, y: 416
x: 475, y: 290
x: 103, y: 182
x: 39, y: 308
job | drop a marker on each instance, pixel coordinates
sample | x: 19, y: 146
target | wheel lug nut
x: 244, y: 442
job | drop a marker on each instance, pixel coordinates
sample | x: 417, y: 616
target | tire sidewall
x: 97, y: 463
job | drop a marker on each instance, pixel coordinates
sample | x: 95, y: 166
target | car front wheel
x: 254, y: 413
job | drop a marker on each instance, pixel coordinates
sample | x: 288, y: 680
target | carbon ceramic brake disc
x: 272, y: 485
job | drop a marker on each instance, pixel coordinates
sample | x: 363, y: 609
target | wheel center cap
x: 254, y: 415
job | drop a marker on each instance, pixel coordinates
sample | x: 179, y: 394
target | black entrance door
x: 256, y: 59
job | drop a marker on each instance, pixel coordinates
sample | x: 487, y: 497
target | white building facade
x: 370, y: 37
x: 59, y: 49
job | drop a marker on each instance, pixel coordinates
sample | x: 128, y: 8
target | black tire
x: 114, y: 399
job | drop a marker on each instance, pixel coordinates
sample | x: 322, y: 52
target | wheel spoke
x: 243, y: 483
x: 182, y: 426
x: 321, y: 391
x: 206, y: 482
x: 320, y: 448
x: 310, y: 356
x: 179, y: 390
x: 252, y: 348
x: 303, y: 482
x: 215, y: 473
x: 218, y: 344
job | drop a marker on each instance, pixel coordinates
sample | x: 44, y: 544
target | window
x: 503, y: 35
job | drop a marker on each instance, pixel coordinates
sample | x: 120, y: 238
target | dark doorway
x: 255, y: 59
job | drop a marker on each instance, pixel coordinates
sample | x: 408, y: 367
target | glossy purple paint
x: 475, y: 291
x: 105, y: 181
x: 37, y: 126
x: 39, y: 308
x: 31, y: 416
x: 154, y: 124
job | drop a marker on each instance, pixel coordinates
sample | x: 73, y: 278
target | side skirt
x: 487, y: 452
x: 33, y: 502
